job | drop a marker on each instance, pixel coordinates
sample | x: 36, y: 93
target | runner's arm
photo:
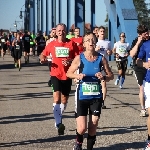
x: 71, y: 73
x: 46, y: 52
x: 135, y: 47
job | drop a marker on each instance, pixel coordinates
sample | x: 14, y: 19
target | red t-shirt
x: 60, y: 51
x: 79, y: 42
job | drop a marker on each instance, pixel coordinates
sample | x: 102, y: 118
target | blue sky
x: 10, y: 10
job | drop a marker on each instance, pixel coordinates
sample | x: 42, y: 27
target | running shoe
x: 147, y: 145
x: 61, y: 129
x: 143, y: 113
x: 77, y: 146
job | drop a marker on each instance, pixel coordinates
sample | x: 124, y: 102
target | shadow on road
x: 27, y: 142
x: 119, y: 146
x: 26, y: 96
x: 25, y: 118
x: 123, y: 146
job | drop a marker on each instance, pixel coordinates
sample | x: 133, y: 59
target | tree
x: 143, y: 11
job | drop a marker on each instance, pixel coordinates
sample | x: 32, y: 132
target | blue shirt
x: 89, y: 87
x: 145, y: 53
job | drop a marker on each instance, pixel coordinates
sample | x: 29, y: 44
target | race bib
x: 27, y: 39
x: 3, y: 40
x: 17, y: 46
x: 90, y: 88
x: 148, y: 59
x: 42, y: 45
x: 62, y: 52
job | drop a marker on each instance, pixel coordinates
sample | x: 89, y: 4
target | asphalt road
x: 26, y: 118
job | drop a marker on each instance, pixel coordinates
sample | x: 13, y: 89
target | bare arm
x: 71, y: 73
x: 109, y: 52
x: 109, y: 73
x: 114, y: 50
x: 133, y: 51
x: 47, y: 42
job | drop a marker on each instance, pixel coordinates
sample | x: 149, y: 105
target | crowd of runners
x: 85, y: 60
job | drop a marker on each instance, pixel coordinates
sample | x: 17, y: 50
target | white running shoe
x: 143, y: 113
x: 120, y: 87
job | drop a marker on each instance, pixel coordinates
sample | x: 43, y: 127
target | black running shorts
x: 140, y: 75
x: 64, y: 86
x: 122, y: 65
x: 85, y: 107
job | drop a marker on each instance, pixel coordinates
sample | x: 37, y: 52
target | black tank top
x: 17, y: 45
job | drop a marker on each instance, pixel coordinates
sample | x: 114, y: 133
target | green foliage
x: 143, y: 11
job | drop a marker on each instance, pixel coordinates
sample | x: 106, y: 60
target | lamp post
x: 15, y: 24
x: 38, y: 15
x: 26, y: 14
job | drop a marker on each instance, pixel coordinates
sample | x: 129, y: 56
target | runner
x: 78, y: 39
x: 26, y: 45
x: 41, y: 43
x: 32, y: 44
x: 17, y: 44
x: 51, y: 37
x: 63, y: 51
x: 3, y: 45
x: 121, y: 50
x: 70, y: 34
x: 88, y: 90
x: 145, y: 53
x: 103, y: 46
x: 142, y: 31
x: 95, y: 31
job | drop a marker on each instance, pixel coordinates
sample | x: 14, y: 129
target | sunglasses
x: 123, y: 36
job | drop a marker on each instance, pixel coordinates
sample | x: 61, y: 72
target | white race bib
x: 3, y: 40
x: 17, y: 46
x: 61, y: 52
x: 90, y: 88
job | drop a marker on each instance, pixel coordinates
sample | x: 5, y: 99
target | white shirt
x: 121, y: 49
x: 104, y: 46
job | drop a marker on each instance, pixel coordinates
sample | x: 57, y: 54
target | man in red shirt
x: 62, y: 51
x: 78, y: 39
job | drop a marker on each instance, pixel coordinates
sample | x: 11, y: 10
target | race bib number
x: 90, y: 88
x: 17, y: 46
x: 62, y: 52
